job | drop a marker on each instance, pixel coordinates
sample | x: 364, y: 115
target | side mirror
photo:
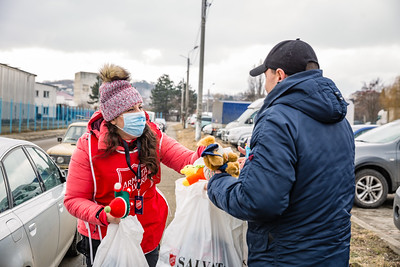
x: 59, y: 139
x: 249, y: 121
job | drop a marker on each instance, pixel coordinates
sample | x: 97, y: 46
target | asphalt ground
x: 379, y: 220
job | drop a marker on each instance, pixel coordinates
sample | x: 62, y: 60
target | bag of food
x: 121, y: 246
x: 201, y: 234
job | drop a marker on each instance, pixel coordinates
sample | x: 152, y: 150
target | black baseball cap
x: 292, y: 56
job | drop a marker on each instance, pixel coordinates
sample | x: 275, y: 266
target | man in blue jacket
x: 296, y: 188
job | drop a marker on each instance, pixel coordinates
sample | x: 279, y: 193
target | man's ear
x: 281, y: 74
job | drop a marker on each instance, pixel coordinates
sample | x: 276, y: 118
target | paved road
x: 379, y: 220
x: 167, y: 187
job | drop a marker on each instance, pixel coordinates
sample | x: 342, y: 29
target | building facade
x: 82, y: 88
x: 17, y: 92
x: 45, y: 100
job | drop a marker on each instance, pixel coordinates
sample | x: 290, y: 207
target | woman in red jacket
x: 121, y: 146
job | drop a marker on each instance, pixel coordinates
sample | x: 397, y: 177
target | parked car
x: 191, y: 120
x: 35, y: 227
x: 243, y: 141
x: 62, y: 152
x: 246, y: 119
x: 208, y: 129
x: 161, y: 123
x: 377, y: 164
x: 234, y: 134
x: 396, y: 208
x: 359, y: 129
x: 205, y: 120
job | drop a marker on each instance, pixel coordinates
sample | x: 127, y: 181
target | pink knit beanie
x: 116, y: 93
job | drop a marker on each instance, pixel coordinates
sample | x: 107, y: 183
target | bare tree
x: 366, y: 101
x: 256, y: 88
x: 390, y: 99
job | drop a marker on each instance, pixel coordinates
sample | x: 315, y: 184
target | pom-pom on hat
x: 116, y: 93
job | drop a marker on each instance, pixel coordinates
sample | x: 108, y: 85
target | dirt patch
x: 366, y: 248
x: 187, y: 138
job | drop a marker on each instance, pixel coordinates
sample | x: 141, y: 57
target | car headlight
x: 60, y: 160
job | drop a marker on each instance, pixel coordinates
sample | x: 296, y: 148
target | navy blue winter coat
x: 296, y: 190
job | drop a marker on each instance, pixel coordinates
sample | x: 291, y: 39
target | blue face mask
x: 134, y: 123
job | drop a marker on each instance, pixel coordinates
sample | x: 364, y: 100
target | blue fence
x: 20, y: 117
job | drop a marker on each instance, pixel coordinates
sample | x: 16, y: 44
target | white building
x: 65, y: 99
x: 45, y: 100
x: 82, y: 87
x: 17, y: 92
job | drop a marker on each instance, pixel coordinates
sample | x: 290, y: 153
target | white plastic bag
x: 121, y: 246
x: 201, y: 234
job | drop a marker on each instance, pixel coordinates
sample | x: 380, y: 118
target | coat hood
x: 310, y: 93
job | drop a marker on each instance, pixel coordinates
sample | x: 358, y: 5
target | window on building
x: 37, y: 93
x: 46, y: 94
x: 45, y: 110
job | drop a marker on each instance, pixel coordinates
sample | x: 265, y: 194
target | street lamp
x: 187, y: 83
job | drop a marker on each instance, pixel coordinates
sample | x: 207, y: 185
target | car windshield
x: 382, y: 134
x: 73, y: 133
x: 245, y: 114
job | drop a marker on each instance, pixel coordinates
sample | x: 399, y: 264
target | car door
x: 55, y: 188
x: 398, y: 160
x: 14, y: 243
x: 37, y: 211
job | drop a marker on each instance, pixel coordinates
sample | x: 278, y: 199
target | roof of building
x: 8, y: 66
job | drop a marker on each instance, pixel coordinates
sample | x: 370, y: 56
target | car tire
x: 73, y: 249
x: 371, y: 189
x: 396, y: 209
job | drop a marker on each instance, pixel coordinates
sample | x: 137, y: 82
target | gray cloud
x: 171, y: 27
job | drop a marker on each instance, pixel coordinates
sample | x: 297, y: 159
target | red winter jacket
x: 90, y: 181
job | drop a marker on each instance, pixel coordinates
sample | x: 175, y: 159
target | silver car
x: 377, y: 164
x: 35, y: 227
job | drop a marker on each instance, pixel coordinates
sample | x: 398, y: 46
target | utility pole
x: 187, y: 87
x: 187, y: 91
x: 182, y: 103
x: 201, y: 68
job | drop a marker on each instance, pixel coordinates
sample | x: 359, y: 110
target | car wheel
x: 371, y: 189
x: 73, y: 251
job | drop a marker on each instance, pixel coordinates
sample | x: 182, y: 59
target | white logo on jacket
x: 128, y: 179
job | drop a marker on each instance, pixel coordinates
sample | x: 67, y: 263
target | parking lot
x: 378, y: 220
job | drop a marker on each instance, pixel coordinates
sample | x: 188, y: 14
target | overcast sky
x: 356, y: 41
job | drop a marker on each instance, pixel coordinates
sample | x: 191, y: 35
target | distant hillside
x: 144, y: 88
x: 66, y: 86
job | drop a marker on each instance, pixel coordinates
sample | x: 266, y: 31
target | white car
x: 208, y: 129
x: 233, y: 135
x: 35, y: 227
x: 62, y: 152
